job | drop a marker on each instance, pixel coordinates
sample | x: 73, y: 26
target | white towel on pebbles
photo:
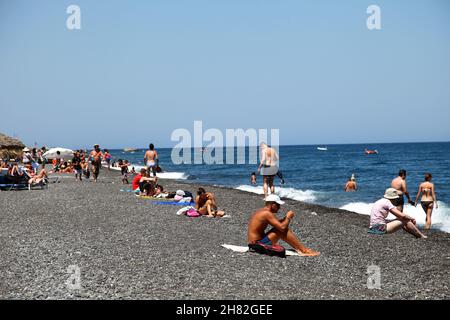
x: 243, y: 249
x: 184, y: 210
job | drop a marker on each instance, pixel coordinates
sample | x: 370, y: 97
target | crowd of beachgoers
x: 145, y: 183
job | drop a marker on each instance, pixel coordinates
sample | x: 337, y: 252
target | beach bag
x: 188, y: 194
x: 193, y: 213
x: 274, y: 250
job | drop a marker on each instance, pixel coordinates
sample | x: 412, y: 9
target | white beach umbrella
x: 64, y: 153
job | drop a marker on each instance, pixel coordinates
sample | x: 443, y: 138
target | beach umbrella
x: 64, y: 153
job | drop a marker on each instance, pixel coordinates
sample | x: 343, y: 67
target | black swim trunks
x: 399, y: 201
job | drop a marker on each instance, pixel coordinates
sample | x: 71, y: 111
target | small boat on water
x: 130, y: 149
x: 322, y: 148
x: 367, y: 151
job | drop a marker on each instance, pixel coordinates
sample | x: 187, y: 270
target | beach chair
x: 41, y: 184
x: 8, y: 183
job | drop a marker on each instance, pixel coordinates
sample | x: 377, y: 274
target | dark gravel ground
x: 129, y: 248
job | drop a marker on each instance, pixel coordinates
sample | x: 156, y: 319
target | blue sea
x: 316, y: 176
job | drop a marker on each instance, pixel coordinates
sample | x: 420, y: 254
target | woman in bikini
x: 205, y: 204
x: 428, y: 199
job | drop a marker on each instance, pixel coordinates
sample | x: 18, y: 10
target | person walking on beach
x: 264, y: 217
x: 107, y: 158
x: 428, y: 200
x: 268, y: 167
x: 151, y: 159
x: 95, y: 157
x: 76, y: 162
x: 380, y: 211
x: 399, y: 184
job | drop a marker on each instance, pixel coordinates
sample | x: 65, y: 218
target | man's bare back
x: 150, y: 155
x: 399, y: 184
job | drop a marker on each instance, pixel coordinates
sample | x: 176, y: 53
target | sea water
x: 318, y: 177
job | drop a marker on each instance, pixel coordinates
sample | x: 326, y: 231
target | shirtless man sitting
x: 266, y: 216
x: 399, y: 184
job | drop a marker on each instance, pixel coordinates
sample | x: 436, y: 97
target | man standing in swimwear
x: 268, y: 167
x: 265, y: 217
x: 399, y: 184
x: 96, y: 157
x: 151, y: 159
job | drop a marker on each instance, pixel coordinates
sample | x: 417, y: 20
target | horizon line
x: 285, y: 145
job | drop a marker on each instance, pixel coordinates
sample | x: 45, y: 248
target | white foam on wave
x: 162, y: 175
x: 289, y: 193
x: 440, y: 218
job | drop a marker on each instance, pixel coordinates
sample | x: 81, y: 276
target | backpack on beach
x: 271, y: 250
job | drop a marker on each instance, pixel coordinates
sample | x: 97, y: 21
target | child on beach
x: 85, y: 167
x: 253, y: 179
x: 107, y: 157
x: 123, y: 165
x: 76, y: 161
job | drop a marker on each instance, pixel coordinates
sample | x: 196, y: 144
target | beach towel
x: 243, y: 249
x: 184, y: 210
x: 165, y: 201
x: 173, y: 203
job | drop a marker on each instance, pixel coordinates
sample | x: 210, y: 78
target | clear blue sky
x: 137, y: 70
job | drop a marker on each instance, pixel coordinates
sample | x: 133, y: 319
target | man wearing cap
x: 266, y: 216
x: 380, y: 211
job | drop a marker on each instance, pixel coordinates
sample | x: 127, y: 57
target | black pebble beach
x: 130, y: 248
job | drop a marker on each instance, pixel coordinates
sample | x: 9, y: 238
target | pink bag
x: 192, y: 213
